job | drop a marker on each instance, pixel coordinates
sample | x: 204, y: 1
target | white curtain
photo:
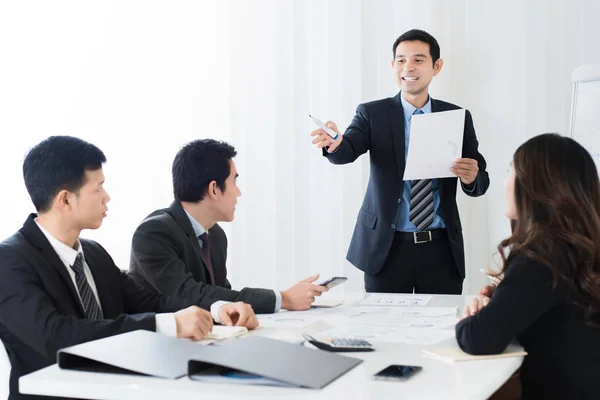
x: 141, y: 78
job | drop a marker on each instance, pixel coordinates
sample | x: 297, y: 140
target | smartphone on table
x: 397, y: 372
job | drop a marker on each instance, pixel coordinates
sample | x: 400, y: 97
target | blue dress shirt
x: 403, y: 224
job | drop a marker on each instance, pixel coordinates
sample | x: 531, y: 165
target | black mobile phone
x: 397, y: 372
x: 333, y: 282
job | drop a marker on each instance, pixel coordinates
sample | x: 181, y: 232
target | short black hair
x: 417, y: 34
x: 58, y: 163
x: 197, y: 164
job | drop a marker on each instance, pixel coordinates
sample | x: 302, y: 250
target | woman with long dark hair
x: 549, y: 298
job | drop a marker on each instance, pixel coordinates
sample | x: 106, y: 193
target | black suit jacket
x: 563, y: 347
x: 40, y: 311
x: 378, y: 127
x: 166, y: 257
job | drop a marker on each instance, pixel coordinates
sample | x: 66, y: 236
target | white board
x: 585, y: 109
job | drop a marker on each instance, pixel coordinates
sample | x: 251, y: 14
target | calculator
x: 339, y: 344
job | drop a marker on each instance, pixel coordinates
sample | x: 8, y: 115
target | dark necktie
x: 421, y: 200
x: 206, y: 255
x: 90, y: 305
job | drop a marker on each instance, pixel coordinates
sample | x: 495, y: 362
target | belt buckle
x: 416, y: 240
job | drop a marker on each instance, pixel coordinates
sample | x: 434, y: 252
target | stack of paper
x: 226, y: 332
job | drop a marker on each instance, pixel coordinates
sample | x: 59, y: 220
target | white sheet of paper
x: 285, y: 319
x: 405, y: 317
x: 435, y: 143
x: 425, y: 311
x: 382, y: 299
x: 403, y: 321
x: 285, y: 336
x: 390, y: 334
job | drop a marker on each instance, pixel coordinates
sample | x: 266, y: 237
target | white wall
x: 141, y: 78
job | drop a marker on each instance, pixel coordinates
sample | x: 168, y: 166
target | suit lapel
x: 396, y: 114
x: 31, y: 231
x: 179, y: 215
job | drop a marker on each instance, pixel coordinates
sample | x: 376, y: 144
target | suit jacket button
x: 393, y: 226
x: 400, y: 200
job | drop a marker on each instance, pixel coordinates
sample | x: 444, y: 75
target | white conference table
x: 474, y: 380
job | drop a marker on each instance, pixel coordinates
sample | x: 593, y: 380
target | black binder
x: 137, y: 352
x: 274, y: 359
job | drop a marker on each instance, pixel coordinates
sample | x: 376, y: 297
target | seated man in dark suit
x: 57, y: 290
x: 181, y: 250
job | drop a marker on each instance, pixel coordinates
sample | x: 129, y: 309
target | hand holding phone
x: 397, y: 372
x: 332, y: 282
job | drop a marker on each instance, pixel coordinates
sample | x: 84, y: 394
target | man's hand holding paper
x: 466, y: 169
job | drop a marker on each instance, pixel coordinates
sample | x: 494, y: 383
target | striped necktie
x: 421, y: 200
x: 90, y: 305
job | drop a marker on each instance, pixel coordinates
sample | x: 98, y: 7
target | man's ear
x: 437, y: 66
x: 62, y: 199
x: 213, y: 190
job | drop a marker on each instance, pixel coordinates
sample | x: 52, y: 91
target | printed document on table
x: 435, y: 143
x: 286, y: 320
x: 402, y: 321
x: 385, y: 299
x: 389, y: 334
x: 384, y: 312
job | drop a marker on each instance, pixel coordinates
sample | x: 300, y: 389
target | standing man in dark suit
x: 57, y: 290
x: 408, y: 235
x: 182, y: 250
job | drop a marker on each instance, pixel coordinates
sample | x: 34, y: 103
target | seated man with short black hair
x: 182, y: 250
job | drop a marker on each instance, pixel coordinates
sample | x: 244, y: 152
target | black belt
x: 422, y: 237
